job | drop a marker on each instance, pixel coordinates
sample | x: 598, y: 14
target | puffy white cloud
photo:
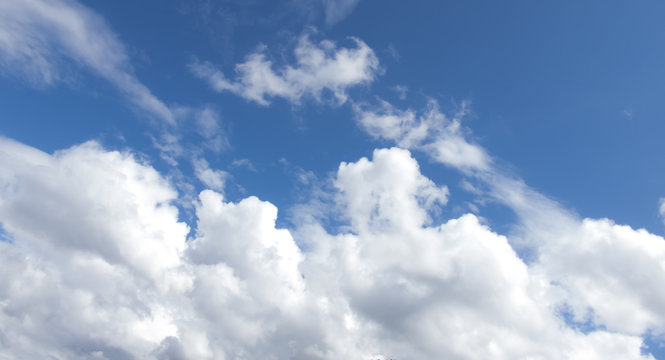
x: 388, y: 191
x: 319, y: 67
x: 401, y: 91
x: 89, y: 200
x: 38, y: 37
x: 455, y: 290
x: 100, y: 267
x: 96, y: 244
x: 609, y: 275
x: 243, y: 236
x: 613, y: 275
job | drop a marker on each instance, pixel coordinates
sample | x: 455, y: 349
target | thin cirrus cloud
x: 123, y: 280
x: 38, y: 37
x: 319, y: 67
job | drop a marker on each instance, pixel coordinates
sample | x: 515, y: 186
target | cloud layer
x: 99, y: 266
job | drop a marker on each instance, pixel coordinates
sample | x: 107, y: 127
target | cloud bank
x: 593, y: 262
x: 99, y: 266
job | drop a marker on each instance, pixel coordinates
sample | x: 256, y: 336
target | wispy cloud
x: 39, y: 38
x: 440, y: 136
x: 401, y: 91
x: 337, y: 10
x: 319, y: 67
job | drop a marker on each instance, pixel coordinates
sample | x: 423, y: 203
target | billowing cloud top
x: 100, y: 267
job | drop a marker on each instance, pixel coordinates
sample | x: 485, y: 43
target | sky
x: 332, y: 179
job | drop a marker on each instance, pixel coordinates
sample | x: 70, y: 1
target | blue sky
x: 512, y: 143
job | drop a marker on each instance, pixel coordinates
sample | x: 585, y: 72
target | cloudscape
x: 331, y: 179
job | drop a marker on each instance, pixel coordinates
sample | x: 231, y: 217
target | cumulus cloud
x: 397, y: 193
x: 39, y: 38
x: 594, y: 262
x: 320, y: 67
x: 100, y: 267
x: 455, y: 290
x: 613, y: 275
x: 401, y: 91
x: 96, y: 246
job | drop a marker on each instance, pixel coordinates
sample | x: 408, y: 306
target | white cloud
x: 455, y: 290
x: 100, y: 267
x: 661, y: 209
x: 97, y: 245
x: 39, y: 38
x: 319, y: 68
x: 610, y: 274
x: 433, y: 132
x: 614, y: 275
